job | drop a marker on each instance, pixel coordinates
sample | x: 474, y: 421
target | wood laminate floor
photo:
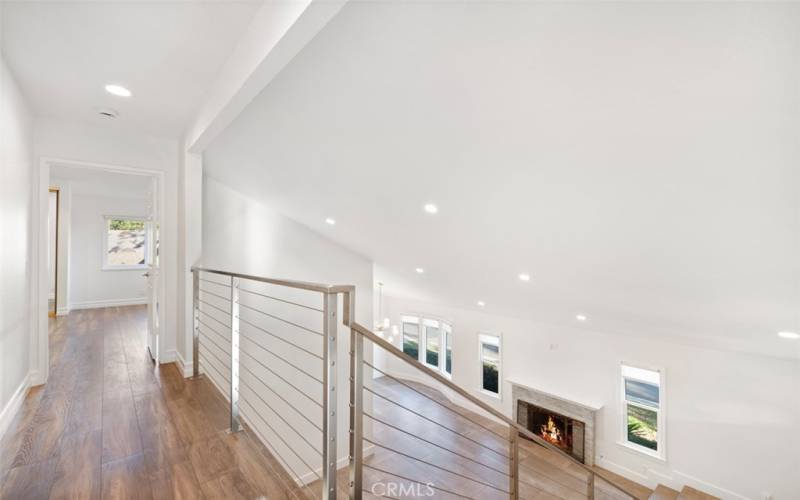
x: 110, y: 424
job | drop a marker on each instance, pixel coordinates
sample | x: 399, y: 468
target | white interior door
x: 153, y: 273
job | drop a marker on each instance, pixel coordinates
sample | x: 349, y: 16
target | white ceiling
x: 94, y: 182
x: 639, y: 161
x: 166, y: 53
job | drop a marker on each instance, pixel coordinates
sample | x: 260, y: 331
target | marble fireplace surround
x: 583, y: 411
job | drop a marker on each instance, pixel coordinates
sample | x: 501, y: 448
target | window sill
x: 125, y: 268
x: 641, y: 450
x: 490, y: 394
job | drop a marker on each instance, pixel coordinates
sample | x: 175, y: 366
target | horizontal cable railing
x: 270, y: 346
x: 437, y: 440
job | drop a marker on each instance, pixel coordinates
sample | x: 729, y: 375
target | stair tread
x: 639, y: 491
x: 689, y: 493
x: 664, y: 493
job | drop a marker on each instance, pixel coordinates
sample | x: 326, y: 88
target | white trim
x: 184, y: 366
x: 62, y: 311
x: 95, y: 304
x: 661, y: 453
x: 168, y: 356
x: 13, y: 405
x: 709, y: 488
x: 422, y: 340
x: 481, y: 390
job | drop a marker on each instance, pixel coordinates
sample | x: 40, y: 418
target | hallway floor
x: 110, y: 424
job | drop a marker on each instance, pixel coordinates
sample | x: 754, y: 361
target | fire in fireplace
x: 562, y: 431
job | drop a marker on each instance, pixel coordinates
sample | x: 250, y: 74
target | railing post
x: 356, y: 412
x: 330, y: 327
x: 235, y: 427
x: 513, y: 463
x: 195, y: 323
x: 590, y: 495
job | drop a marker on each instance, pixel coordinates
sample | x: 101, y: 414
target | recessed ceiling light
x: 525, y: 277
x: 431, y: 208
x: 330, y: 221
x: 789, y: 335
x: 419, y: 270
x: 581, y: 317
x: 481, y: 303
x: 118, y: 90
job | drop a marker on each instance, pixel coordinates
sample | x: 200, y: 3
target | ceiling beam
x: 278, y: 32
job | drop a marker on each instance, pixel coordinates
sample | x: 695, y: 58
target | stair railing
x: 278, y: 339
x: 287, y: 335
x: 480, y: 457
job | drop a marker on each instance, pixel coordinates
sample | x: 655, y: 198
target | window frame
x: 423, y: 340
x: 660, y: 452
x: 446, y: 335
x: 403, y: 322
x: 499, y: 337
x: 424, y: 356
x: 147, y: 235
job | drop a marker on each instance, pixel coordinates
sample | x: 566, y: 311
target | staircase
x: 275, y: 351
x: 687, y: 493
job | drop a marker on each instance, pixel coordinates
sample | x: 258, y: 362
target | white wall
x: 243, y: 235
x: 110, y: 145
x: 90, y: 285
x: 731, y: 418
x: 15, y: 242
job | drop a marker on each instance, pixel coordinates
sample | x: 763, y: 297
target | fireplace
x: 566, y: 433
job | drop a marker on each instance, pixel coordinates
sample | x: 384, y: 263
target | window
x: 642, y: 404
x: 432, y: 342
x: 411, y: 336
x: 125, y: 243
x: 436, y: 338
x: 447, y: 338
x: 490, y: 363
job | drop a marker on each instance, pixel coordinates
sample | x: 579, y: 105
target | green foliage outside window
x: 125, y: 225
x: 491, y: 378
x: 643, y: 427
x: 411, y: 348
x: 432, y: 357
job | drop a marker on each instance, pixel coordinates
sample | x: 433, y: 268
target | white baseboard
x: 35, y: 378
x: 169, y: 356
x: 185, y: 368
x: 94, y: 304
x: 709, y: 488
x: 62, y: 311
x: 13, y: 405
x: 624, y: 471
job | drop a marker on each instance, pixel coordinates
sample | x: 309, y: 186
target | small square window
x: 125, y: 243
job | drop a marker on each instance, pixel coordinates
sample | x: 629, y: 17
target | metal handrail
x: 375, y: 339
x: 329, y: 335
x: 302, y: 285
x: 357, y: 333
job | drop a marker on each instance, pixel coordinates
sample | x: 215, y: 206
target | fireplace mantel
x: 567, y: 399
x: 579, y: 410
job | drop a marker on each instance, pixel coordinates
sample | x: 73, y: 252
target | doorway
x: 52, y: 251
x: 99, y: 247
